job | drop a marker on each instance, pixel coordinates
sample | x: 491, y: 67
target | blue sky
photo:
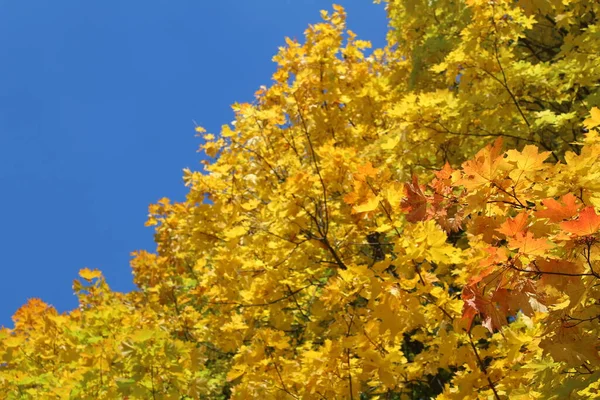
x: 97, y: 101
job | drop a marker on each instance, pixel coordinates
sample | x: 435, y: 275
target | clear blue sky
x: 97, y: 101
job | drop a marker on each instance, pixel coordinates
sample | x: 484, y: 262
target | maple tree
x: 415, y: 221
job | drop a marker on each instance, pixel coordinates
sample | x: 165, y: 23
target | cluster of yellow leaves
x: 358, y: 236
x: 113, y: 346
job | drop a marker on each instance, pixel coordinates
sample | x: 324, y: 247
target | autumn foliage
x: 416, y: 221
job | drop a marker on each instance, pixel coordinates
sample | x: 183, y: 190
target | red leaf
x: 415, y: 203
x: 493, y: 317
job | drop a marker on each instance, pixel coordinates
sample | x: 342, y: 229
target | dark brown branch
x: 316, y: 164
x: 483, y: 368
x: 537, y: 271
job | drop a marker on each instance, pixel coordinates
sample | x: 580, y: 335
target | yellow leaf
x: 235, y: 232
x: 561, y: 305
x: 142, y: 335
x: 236, y: 372
x: 390, y: 142
x: 367, y: 206
x: 529, y: 159
x: 384, y: 228
x: 13, y: 341
x: 479, y: 332
x: 88, y: 274
x: 393, y: 193
x: 594, y: 119
x: 251, y: 204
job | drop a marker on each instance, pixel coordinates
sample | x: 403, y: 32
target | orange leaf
x: 556, y: 211
x: 484, y: 167
x: 527, y: 244
x: 366, y: 171
x: 515, y: 225
x: 442, y: 183
x: 588, y: 223
x: 551, y: 270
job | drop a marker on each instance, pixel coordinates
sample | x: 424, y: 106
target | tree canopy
x: 415, y: 221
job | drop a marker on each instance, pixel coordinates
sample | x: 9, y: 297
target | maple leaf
x: 367, y: 206
x: 497, y: 256
x: 235, y: 232
x: 556, y: 211
x: 587, y: 224
x: 513, y: 226
x: 393, y: 194
x: 527, y: 244
x: 442, y: 183
x: 594, y: 119
x: 415, y: 203
x: 444, y: 173
x: 557, y: 267
x: 89, y: 275
x: 236, y: 372
x: 475, y: 303
x: 529, y: 159
x: 486, y: 166
x: 366, y: 171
